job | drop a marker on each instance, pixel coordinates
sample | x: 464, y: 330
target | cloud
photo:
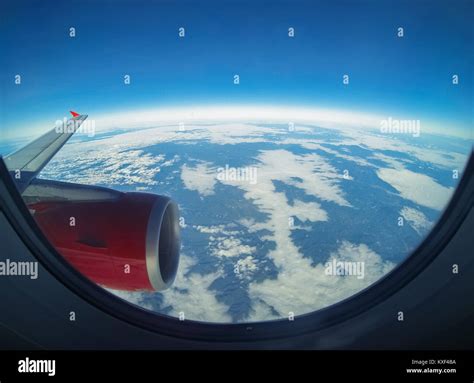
x: 108, y: 166
x: 316, y: 144
x: 121, y: 159
x: 245, y: 267
x: 376, y: 141
x: 301, y: 288
x: 229, y: 247
x: 261, y: 311
x: 200, y: 178
x: 309, y: 172
x: 216, y: 229
x: 190, y: 295
x: 331, y: 118
x: 416, y: 219
x: 191, y: 114
x: 417, y: 187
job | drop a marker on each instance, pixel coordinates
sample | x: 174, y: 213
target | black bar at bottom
x: 432, y: 366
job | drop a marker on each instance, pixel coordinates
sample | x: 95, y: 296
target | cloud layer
x: 305, y: 162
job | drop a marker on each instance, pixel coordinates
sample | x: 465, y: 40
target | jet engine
x: 126, y: 241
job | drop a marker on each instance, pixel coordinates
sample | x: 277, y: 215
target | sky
x: 410, y: 77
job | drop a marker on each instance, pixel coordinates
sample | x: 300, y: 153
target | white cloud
x: 301, y: 288
x: 313, y: 144
x: 331, y: 118
x: 110, y: 166
x: 217, y: 229
x: 416, y: 219
x: 369, y: 139
x: 198, y: 302
x: 309, y: 172
x: 190, y: 295
x: 119, y: 159
x: 229, y: 247
x: 260, y: 311
x: 245, y: 267
x: 417, y: 187
x: 201, y: 178
x: 152, y: 116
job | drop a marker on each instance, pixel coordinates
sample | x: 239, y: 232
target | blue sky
x: 410, y: 75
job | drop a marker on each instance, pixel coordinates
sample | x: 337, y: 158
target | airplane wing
x: 25, y: 164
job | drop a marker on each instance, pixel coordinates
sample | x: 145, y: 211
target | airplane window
x: 237, y: 162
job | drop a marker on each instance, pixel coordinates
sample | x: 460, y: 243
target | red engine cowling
x: 128, y: 242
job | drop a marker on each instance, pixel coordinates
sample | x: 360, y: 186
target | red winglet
x: 74, y: 114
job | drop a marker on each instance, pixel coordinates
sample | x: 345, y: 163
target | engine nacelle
x: 125, y: 241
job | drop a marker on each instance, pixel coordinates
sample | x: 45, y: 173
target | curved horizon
x: 268, y: 113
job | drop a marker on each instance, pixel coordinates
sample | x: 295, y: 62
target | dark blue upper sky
x: 410, y: 75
